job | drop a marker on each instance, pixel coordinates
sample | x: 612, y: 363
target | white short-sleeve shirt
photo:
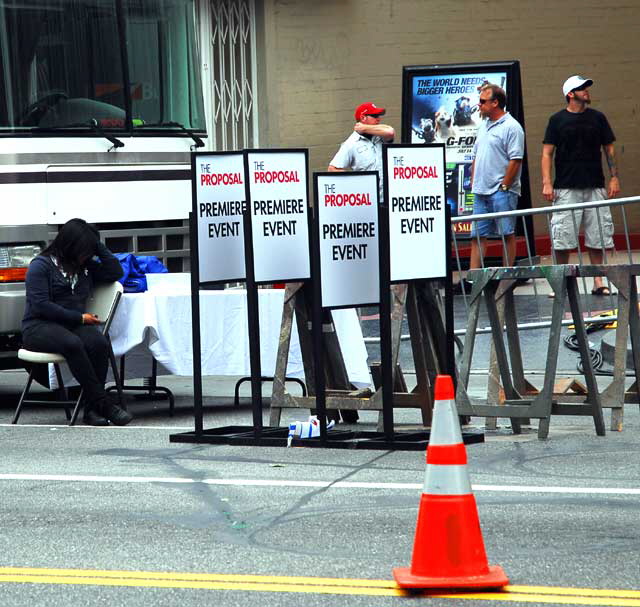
x: 359, y: 153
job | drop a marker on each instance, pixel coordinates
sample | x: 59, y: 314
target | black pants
x: 85, y: 348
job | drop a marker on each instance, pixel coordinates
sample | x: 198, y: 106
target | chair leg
x: 16, y: 415
x: 76, y: 409
x: 116, y: 376
x: 64, y: 395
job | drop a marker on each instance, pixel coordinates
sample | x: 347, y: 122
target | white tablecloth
x: 161, y: 322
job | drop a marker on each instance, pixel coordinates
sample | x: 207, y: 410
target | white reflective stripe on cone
x: 445, y: 427
x: 446, y: 480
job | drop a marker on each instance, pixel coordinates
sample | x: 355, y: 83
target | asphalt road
x: 557, y: 515
x: 121, y: 516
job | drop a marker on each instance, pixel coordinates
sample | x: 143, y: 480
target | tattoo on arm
x: 611, y: 161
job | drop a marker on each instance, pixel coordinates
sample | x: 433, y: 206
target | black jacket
x: 49, y: 294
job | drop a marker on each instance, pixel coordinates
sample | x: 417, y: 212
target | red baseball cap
x: 368, y: 109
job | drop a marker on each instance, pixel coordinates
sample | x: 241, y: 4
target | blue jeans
x: 497, y: 202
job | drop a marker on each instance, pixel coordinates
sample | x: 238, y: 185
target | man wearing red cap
x: 576, y: 137
x: 362, y: 151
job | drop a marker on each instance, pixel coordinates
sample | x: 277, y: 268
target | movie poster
x: 444, y: 109
x: 440, y: 104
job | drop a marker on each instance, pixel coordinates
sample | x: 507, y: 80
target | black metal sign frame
x: 252, y: 285
x: 318, y: 308
x: 196, y: 285
x: 277, y: 436
x: 446, y: 349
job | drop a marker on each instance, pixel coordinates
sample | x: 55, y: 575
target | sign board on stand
x: 278, y: 193
x: 347, y: 236
x: 218, y: 205
x: 217, y: 239
x: 346, y: 256
x: 417, y: 217
x: 415, y: 244
x: 276, y: 238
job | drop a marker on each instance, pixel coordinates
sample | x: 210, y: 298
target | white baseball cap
x: 574, y: 82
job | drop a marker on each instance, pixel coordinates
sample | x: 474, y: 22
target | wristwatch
x: 503, y: 187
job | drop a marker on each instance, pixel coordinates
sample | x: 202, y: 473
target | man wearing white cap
x: 576, y: 136
x: 362, y: 150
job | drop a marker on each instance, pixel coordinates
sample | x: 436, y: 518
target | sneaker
x: 115, y: 414
x: 93, y: 418
x: 112, y: 410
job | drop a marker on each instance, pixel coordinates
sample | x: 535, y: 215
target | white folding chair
x: 102, y: 302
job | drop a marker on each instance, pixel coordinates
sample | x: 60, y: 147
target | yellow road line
x: 195, y: 584
x: 628, y: 594
x: 516, y: 597
x: 308, y: 585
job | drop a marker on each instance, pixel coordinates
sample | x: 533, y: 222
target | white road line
x: 248, y: 482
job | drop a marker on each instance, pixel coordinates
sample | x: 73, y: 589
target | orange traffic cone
x: 448, y: 551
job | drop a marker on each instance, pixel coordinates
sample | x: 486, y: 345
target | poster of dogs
x: 440, y: 105
x: 445, y: 110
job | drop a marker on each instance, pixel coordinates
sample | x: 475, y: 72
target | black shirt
x: 578, y: 138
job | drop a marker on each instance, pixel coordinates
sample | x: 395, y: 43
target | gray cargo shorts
x: 563, y: 229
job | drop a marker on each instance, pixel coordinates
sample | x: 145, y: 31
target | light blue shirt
x: 496, y: 144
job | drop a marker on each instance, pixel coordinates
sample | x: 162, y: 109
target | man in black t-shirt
x: 576, y: 136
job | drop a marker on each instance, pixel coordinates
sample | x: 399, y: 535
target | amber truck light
x: 15, y: 260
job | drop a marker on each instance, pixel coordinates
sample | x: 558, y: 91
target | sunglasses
x: 483, y: 101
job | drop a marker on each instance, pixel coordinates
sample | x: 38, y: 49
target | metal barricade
x: 618, y: 270
x: 494, y: 285
x: 609, y: 256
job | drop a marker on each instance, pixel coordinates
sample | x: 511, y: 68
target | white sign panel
x: 347, y: 211
x: 417, y: 219
x: 219, y: 207
x: 279, y: 215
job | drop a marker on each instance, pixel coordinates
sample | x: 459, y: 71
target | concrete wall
x: 323, y: 57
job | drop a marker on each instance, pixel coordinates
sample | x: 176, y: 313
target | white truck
x: 100, y: 106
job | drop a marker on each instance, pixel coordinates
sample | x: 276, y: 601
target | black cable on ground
x: 571, y: 341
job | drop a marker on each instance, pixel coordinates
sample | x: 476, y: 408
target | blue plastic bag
x: 134, y: 270
x: 148, y: 264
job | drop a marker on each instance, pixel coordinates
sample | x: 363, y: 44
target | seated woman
x: 58, y: 284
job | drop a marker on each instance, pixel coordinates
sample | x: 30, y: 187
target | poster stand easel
x: 415, y: 257
x: 312, y: 305
x: 423, y: 305
x: 320, y: 348
x: 258, y: 176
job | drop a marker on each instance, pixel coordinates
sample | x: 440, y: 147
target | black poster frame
x: 318, y: 308
x: 275, y: 151
x: 515, y: 107
x: 447, y: 349
x: 252, y: 285
x: 194, y: 210
x: 196, y: 286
